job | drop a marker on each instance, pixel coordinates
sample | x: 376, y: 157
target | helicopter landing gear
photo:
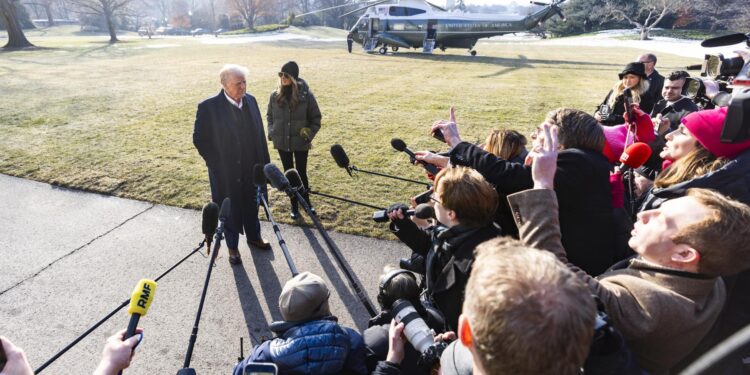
x: 394, y: 48
x: 383, y: 50
x: 473, y: 53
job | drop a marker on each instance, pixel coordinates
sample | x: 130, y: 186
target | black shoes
x: 295, y: 214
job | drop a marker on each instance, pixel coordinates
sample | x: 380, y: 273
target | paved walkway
x: 69, y: 258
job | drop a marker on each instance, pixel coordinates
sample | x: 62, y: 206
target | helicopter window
x: 404, y: 11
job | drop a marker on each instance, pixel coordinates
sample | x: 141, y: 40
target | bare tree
x: 105, y: 8
x: 16, y: 37
x: 643, y: 14
x: 248, y: 9
x: 47, y: 6
x: 163, y: 7
x: 721, y: 12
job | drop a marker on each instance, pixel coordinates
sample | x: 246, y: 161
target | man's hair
x: 466, y: 192
x: 650, y: 57
x: 677, y: 75
x: 232, y: 70
x: 577, y: 129
x: 722, y: 237
x: 528, y: 313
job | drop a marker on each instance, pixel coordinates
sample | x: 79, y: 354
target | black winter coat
x: 583, y: 192
x: 285, y: 123
x: 617, y: 110
x: 449, y: 256
x: 230, y: 152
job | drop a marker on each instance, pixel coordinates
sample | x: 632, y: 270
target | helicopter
x: 418, y: 24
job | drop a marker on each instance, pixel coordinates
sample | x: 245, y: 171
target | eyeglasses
x: 432, y: 198
x: 282, y: 74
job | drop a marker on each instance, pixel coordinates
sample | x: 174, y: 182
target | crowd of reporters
x: 532, y: 263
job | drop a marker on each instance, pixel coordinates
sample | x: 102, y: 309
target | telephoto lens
x: 420, y: 336
x: 416, y: 330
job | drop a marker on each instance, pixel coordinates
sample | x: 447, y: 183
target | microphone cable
x: 99, y: 323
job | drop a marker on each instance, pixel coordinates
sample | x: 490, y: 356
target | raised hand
x: 544, y: 158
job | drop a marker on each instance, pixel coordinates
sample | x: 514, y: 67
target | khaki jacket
x: 662, y: 313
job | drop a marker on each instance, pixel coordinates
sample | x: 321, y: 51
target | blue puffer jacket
x: 313, y: 348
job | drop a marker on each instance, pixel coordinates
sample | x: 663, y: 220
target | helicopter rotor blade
x: 364, y: 7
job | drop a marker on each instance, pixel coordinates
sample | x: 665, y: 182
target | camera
x: 423, y: 197
x: 420, y: 336
x: 724, y: 82
x: 415, y: 263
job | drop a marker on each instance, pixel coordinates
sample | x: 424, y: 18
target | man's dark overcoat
x: 231, y: 146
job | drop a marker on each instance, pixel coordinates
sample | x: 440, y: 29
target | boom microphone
x: 295, y: 181
x: 635, y: 155
x: 399, y: 145
x: 725, y: 40
x: 423, y: 211
x: 226, y: 210
x: 339, y: 155
x: 278, y: 181
x: 210, y: 220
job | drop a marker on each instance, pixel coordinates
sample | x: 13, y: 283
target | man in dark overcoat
x: 229, y: 136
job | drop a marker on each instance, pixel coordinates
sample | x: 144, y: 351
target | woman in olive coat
x: 293, y: 120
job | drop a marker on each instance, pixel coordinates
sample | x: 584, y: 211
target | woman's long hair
x: 695, y: 164
x: 288, y: 94
x: 505, y: 143
x: 619, y: 87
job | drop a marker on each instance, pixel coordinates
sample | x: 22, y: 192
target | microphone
x: 259, y: 178
x: 226, y: 210
x: 635, y: 156
x: 423, y: 211
x: 295, y: 181
x: 210, y: 220
x: 339, y: 155
x: 140, y: 301
x: 278, y: 180
x: 725, y: 40
x: 399, y: 145
x: 628, y: 101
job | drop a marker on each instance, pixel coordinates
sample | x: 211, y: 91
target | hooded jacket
x: 285, y: 123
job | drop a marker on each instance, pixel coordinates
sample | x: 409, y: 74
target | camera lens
x: 731, y: 67
x: 415, y: 329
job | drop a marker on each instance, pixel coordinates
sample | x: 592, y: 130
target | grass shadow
x: 353, y: 305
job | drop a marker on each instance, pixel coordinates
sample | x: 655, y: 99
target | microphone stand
x: 336, y: 252
x: 111, y: 314
x: 277, y: 231
x: 186, y: 370
x: 346, y: 200
x: 354, y: 168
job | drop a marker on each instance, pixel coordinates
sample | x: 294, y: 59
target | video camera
x: 724, y: 82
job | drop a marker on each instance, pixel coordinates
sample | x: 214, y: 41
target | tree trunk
x: 110, y: 24
x: 645, y: 33
x: 48, y: 9
x: 16, y: 37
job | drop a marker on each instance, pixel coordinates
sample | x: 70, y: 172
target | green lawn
x: 118, y: 119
